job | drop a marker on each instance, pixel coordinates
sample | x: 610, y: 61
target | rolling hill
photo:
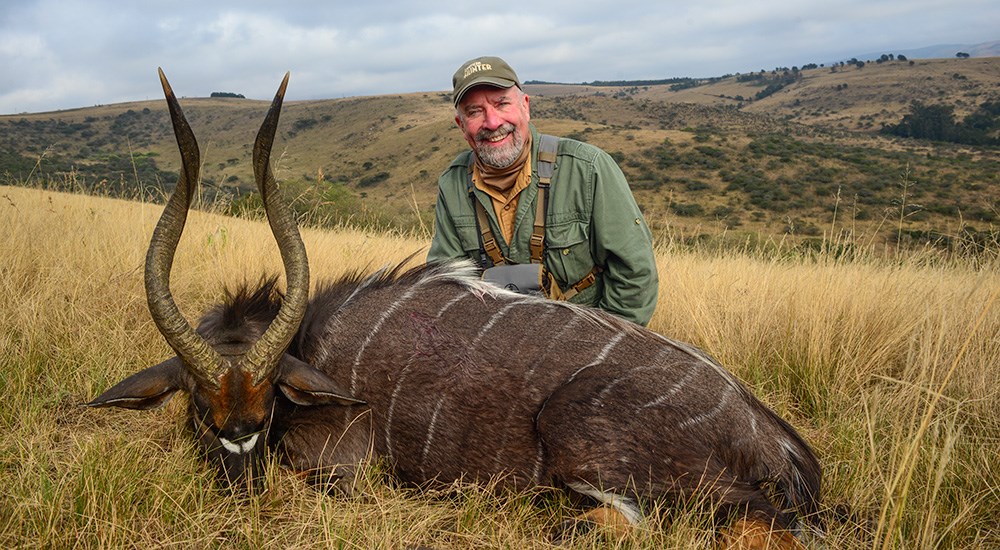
x: 792, y: 152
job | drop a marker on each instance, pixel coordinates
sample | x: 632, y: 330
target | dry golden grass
x: 888, y: 367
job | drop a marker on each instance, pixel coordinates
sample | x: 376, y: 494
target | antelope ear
x: 150, y: 388
x: 305, y: 385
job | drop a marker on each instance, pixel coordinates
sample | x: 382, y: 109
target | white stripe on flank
x: 555, y: 338
x: 792, y: 452
x: 378, y: 326
x: 335, y: 320
x: 392, y: 407
x: 611, y: 386
x: 701, y: 356
x: 493, y: 321
x: 430, y: 436
x: 654, y: 365
x: 600, y: 356
x: 450, y: 303
x: 726, y: 396
x: 536, y: 472
x: 626, y: 506
x: 674, y: 388
x: 399, y: 383
x: 531, y: 390
x: 364, y: 284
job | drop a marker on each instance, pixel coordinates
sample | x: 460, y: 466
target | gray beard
x: 499, y: 157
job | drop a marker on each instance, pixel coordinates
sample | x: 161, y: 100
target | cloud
x: 69, y: 53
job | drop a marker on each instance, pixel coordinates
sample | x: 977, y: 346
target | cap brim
x: 487, y: 81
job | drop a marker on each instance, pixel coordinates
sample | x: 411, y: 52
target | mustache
x: 485, y: 135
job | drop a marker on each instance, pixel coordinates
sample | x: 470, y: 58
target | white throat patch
x: 242, y: 447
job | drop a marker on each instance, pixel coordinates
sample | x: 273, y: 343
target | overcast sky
x: 60, y: 54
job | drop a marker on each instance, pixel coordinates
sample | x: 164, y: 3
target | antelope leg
x: 756, y: 534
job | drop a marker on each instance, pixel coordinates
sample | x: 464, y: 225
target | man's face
x: 495, y: 123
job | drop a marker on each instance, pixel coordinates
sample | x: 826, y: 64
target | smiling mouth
x: 496, y: 136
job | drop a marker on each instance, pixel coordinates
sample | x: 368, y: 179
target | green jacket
x: 592, y: 219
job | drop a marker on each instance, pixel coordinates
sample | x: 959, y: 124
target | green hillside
x: 787, y: 153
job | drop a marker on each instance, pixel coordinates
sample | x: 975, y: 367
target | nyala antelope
x: 446, y: 378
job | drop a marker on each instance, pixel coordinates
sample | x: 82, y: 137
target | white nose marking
x: 241, y: 447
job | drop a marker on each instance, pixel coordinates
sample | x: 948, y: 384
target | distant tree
x: 933, y: 122
x: 937, y: 122
x: 984, y: 118
x: 901, y: 57
x: 228, y: 94
x: 982, y: 126
x: 962, y: 55
x: 777, y: 83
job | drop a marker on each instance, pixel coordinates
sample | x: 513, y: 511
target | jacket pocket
x: 468, y: 235
x: 568, y: 256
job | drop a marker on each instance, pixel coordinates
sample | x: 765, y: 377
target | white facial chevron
x: 241, y: 447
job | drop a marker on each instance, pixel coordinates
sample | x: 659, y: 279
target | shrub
x: 373, y: 180
x: 689, y: 210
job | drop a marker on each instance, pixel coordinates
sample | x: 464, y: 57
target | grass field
x: 889, y: 366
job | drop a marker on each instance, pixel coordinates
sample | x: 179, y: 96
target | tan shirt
x: 505, y: 202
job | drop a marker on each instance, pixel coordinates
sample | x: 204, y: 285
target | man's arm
x: 445, y: 245
x: 624, y: 244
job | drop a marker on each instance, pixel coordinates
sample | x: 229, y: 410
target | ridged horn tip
x: 167, y: 90
x: 284, y: 84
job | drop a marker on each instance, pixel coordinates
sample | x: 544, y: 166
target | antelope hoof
x: 607, y: 519
x: 755, y: 534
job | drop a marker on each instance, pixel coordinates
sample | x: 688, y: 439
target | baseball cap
x: 488, y: 70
